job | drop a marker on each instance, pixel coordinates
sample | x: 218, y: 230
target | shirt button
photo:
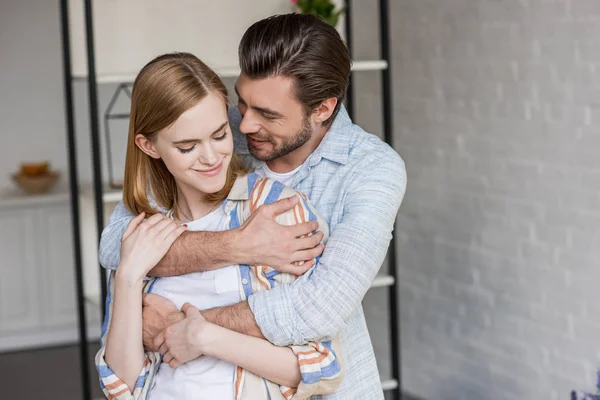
x: 244, y: 281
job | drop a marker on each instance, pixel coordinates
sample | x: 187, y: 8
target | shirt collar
x: 242, y: 187
x: 336, y: 142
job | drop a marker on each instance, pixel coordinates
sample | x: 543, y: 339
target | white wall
x: 130, y: 33
x: 32, y: 118
x: 498, y: 120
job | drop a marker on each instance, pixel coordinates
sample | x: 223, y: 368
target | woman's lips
x: 211, y: 172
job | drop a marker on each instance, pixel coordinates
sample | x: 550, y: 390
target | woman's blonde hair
x: 164, y: 89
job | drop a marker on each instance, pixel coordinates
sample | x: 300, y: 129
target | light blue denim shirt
x: 357, y: 182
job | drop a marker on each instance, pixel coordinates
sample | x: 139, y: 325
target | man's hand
x: 158, y: 314
x: 182, y: 342
x: 287, y: 249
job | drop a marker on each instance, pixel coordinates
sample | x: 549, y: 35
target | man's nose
x: 249, y: 124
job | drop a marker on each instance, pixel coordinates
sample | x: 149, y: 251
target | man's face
x: 273, y: 119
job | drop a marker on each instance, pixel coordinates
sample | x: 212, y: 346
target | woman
x: 180, y: 150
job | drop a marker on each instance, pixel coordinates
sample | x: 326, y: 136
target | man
x: 294, y: 75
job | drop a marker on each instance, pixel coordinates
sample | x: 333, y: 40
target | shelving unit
x: 228, y: 72
x: 101, y: 195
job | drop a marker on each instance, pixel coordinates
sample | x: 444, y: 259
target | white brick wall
x: 497, y: 113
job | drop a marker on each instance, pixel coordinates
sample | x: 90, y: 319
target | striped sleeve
x: 320, y: 367
x: 112, y: 386
x: 320, y: 362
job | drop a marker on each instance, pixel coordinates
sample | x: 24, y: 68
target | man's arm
x: 205, y: 251
x: 237, y: 317
x: 318, y: 305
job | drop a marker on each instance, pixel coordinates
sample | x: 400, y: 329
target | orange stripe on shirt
x: 259, y: 271
x: 296, y: 216
x: 257, y: 192
x: 316, y: 360
x: 114, y: 385
x: 126, y: 390
x: 289, y: 393
x: 306, y: 353
x: 238, y: 381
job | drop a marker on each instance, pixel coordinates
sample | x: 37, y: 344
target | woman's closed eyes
x: 190, y: 149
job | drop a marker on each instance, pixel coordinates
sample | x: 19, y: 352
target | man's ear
x: 146, y: 145
x: 324, y: 110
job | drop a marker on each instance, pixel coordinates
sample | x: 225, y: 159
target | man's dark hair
x: 301, y: 47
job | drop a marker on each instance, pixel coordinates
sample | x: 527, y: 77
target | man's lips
x: 256, y: 142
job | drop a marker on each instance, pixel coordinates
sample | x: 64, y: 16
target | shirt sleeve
x: 319, y: 361
x: 110, y: 240
x: 321, y: 369
x: 112, y: 386
x: 318, y: 305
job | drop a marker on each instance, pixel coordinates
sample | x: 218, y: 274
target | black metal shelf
x: 390, y: 281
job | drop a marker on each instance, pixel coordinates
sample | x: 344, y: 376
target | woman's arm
x: 259, y: 356
x: 194, y: 336
x: 124, y: 349
x: 144, y: 243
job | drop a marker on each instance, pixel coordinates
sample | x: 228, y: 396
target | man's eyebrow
x: 261, y: 109
x: 185, y: 141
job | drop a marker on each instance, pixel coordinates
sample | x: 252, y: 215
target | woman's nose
x: 208, y: 155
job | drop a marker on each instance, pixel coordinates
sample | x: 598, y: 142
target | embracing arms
x: 203, y: 251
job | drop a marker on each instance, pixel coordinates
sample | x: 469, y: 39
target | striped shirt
x: 319, y: 361
x: 357, y: 183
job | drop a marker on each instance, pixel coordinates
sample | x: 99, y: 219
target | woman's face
x: 197, y: 148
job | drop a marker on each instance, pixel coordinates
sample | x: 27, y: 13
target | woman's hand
x: 183, y: 341
x: 145, y: 243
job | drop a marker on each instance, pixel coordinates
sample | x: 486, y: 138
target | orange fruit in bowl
x: 35, y: 169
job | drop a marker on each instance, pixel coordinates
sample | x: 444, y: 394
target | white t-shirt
x: 286, y: 178
x: 205, y: 378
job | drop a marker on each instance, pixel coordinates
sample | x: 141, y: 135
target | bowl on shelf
x: 36, y: 184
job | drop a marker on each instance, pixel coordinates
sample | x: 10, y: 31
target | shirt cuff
x: 275, y: 315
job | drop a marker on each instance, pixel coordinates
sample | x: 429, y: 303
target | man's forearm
x: 197, y: 251
x: 237, y: 317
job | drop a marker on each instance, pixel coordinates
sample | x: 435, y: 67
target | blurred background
x: 495, y: 110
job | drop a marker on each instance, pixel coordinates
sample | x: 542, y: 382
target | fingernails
x: 185, y: 226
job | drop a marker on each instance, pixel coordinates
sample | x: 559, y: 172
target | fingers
x: 309, y: 254
x: 173, y: 234
x: 175, y: 317
x: 297, y: 269
x: 308, y: 242
x: 189, y: 310
x: 280, y: 206
x: 159, y: 340
x: 303, y: 229
x: 174, y: 363
x: 153, y: 220
x: 134, y: 223
x: 163, y: 349
x: 150, y: 299
x: 165, y: 223
x: 155, y: 300
x: 167, y: 357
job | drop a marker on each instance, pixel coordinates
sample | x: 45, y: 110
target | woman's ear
x: 147, y: 146
x: 324, y: 110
